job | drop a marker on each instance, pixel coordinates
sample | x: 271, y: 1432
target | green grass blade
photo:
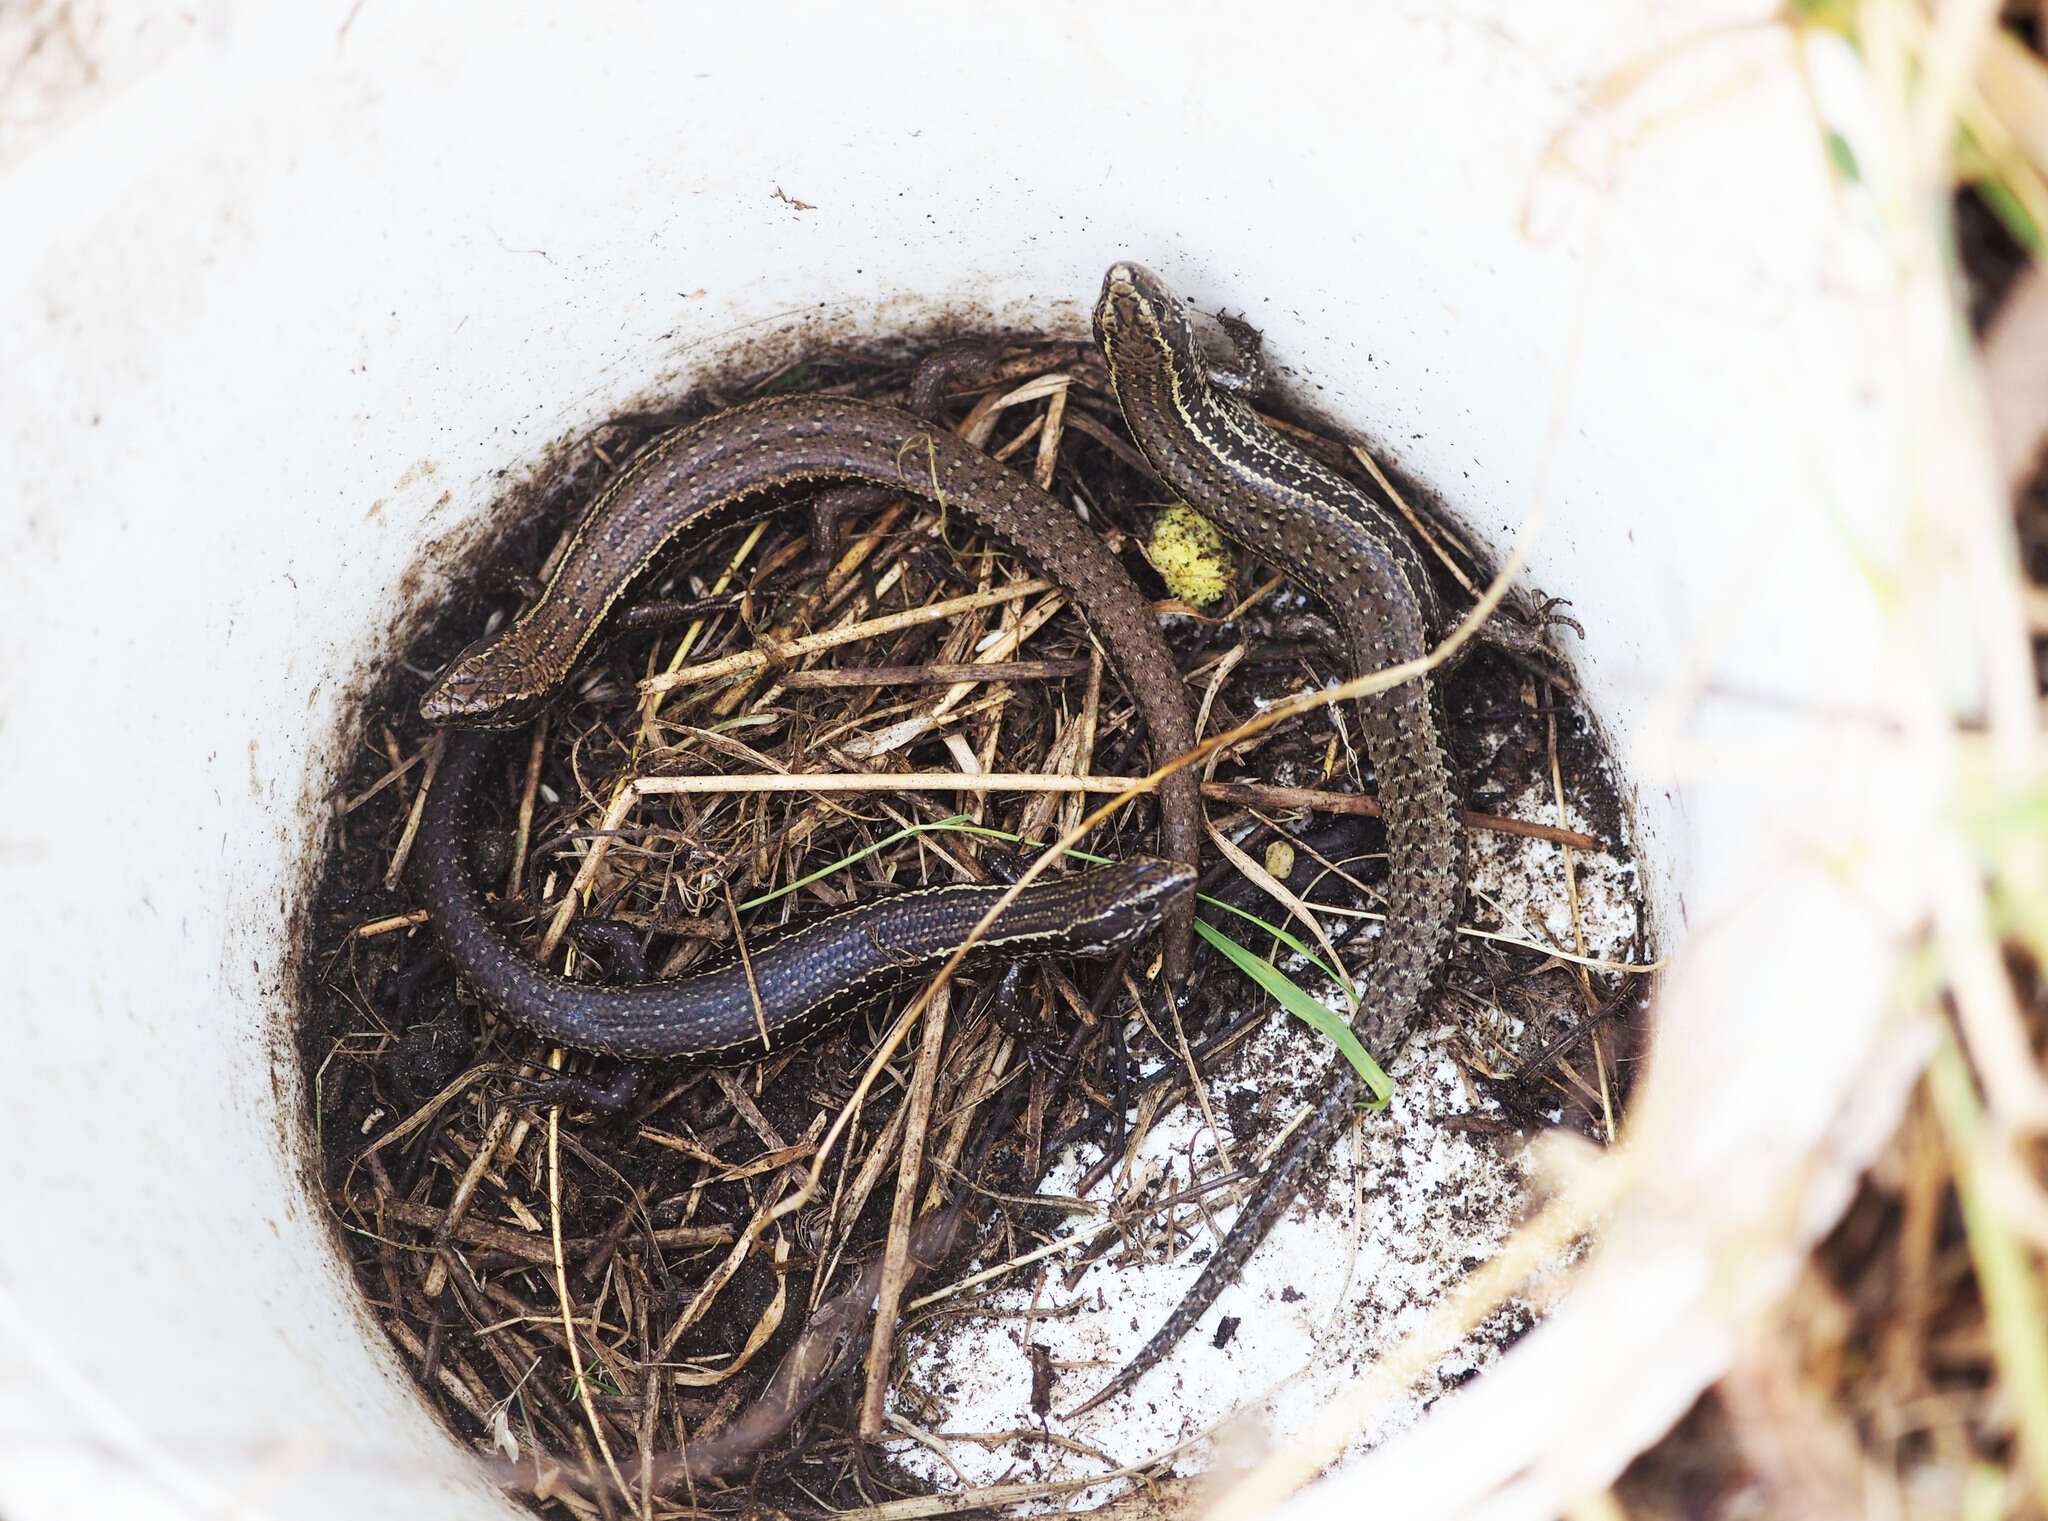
x: 1296, y: 1001
x: 958, y: 823
x: 865, y: 851
x: 1287, y: 940
x: 2005, y: 1271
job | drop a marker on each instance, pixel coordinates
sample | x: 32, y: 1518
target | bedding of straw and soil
x: 581, y: 1293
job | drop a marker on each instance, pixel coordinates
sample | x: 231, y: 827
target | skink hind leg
x: 828, y: 510
x: 1523, y: 635
x: 612, y: 1095
x: 619, y: 944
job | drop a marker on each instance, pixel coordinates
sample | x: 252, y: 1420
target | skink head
x: 1123, y: 903
x: 473, y: 693
x: 1141, y: 325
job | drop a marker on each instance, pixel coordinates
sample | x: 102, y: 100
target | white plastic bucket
x: 289, y: 291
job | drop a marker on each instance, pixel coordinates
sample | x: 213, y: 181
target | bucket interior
x: 297, y: 300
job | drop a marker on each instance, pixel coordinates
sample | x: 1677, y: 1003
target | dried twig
x: 896, y: 1257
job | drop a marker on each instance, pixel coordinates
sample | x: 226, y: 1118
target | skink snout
x: 1132, y: 306
x: 1132, y: 900
x: 471, y: 694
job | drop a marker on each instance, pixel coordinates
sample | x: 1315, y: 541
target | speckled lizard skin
x: 1355, y: 556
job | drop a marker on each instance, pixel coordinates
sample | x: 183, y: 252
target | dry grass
x: 1906, y: 1373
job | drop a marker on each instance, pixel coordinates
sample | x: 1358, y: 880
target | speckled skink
x: 722, y: 470
x: 717, y: 471
x: 805, y: 978
x: 1354, y: 555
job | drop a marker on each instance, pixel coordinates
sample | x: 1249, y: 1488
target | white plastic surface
x: 286, y: 292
